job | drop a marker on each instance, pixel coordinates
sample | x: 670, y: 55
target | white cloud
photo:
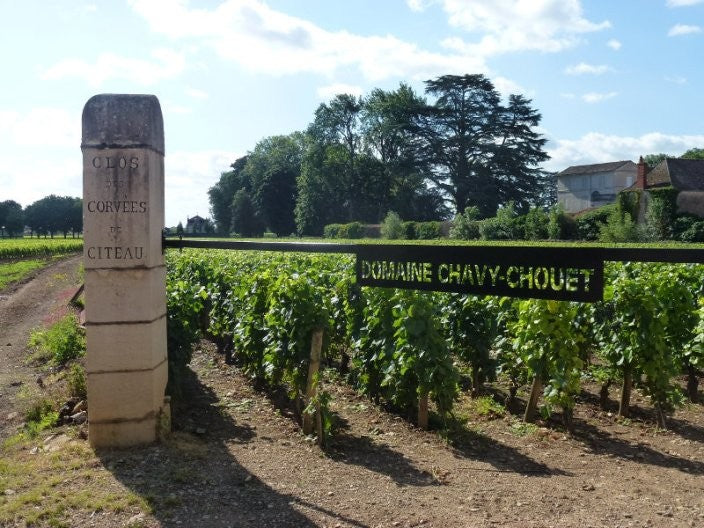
x: 166, y: 64
x: 517, y: 25
x: 40, y: 127
x: 196, y: 93
x: 261, y: 39
x: 676, y: 79
x: 681, y: 3
x: 418, y: 5
x: 331, y: 90
x: 614, y: 44
x: 188, y: 176
x: 507, y: 87
x: 52, y: 173
x: 601, y: 148
x: 596, y: 97
x: 683, y: 29
x: 171, y: 108
x: 588, y: 69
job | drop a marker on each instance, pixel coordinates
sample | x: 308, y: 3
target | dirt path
x: 33, y: 303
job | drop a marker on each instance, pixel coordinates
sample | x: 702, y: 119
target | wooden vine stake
x: 624, y: 403
x: 532, y: 404
x: 313, y: 421
x: 423, y: 410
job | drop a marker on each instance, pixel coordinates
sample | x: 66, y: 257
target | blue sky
x: 613, y: 79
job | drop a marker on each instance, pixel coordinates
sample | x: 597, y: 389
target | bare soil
x: 40, y: 299
x: 237, y: 458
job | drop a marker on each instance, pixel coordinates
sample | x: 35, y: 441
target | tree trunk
x: 344, y: 363
x: 604, y: 395
x: 511, y: 398
x: 309, y: 420
x: 532, y: 404
x: 423, y: 411
x: 692, y: 384
x: 662, y: 423
x: 567, y: 415
x: 476, y: 382
x: 623, y: 406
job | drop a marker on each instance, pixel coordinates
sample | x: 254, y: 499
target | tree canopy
x: 11, y: 218
x: 55, y: 214
x: 396, y: 150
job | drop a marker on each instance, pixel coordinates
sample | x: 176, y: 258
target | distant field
x: 18, y: 248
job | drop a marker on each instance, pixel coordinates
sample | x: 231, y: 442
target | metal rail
x: 673, y: 255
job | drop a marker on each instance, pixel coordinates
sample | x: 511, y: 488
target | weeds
x: 60, y: 343
x: 520, y: 428
x: 76, y: 381
x: 488, y: 407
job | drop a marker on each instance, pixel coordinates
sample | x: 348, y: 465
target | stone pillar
x: 125, y: 293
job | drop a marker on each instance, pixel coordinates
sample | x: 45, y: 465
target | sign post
x: 123, y: 220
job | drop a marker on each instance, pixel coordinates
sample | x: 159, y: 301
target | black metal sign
x: 529, y: 272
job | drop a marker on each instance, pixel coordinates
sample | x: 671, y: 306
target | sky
x: 612, y: 79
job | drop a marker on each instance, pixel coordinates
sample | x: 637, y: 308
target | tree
x: 11, y: 218
x: 693, y: 153
x: 320, y: 189
x: 55, y: 214
x: 272, y: 169
x: 653, y: 159
x: 338, y: 123
x: 520, y: 151
x: 245, y: 221
x: 74, y: 220
x: 179, y: 228
x: 388, y: 123
x: 221, y: 194
x: 545, y: 194
x: 480, y: 152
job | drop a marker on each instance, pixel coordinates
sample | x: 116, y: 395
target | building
x: 583, y: 187
x: 686, y: 176
x: 195, y: 225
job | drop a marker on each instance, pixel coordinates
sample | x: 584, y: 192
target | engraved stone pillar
x: 125, y: 293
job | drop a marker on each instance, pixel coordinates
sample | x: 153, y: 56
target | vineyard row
x: 410, y: 348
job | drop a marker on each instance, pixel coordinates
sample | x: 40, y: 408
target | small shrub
x: 619, y: 228
x: 355, y: 230
x: 502, y: 226
x: 562, y: 226
x: 487, y: 407
x: 409, y: 230
x: 61, y: 342
x: 535, y: 225
x: 76, y: 380
x: 589, y: 224
x: 465, y: 226
x: 428, y: 230
x: 351, y: 230
x: 392, y: 227
x: 660, y: 214
x: 688, y: 228
x: 331, y: 231
x: 40, y: 416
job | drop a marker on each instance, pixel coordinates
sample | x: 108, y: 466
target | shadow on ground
x: 599, y: 441
x: 193, y: 480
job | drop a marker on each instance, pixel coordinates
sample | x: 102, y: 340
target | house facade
x: 195, y: 225
x: 583, y: 187
x: 686, y: 176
